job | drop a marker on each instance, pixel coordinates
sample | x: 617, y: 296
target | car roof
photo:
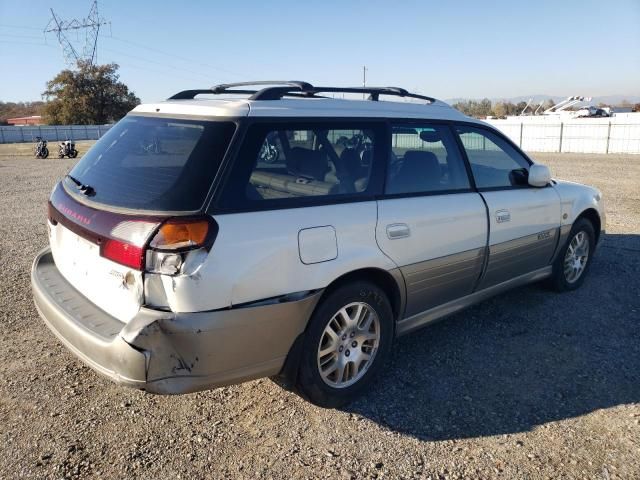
x: 304, y: 107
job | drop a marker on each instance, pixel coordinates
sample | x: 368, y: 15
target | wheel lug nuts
x: 354, y: 344
x: 353, y: 334
x: 347, y: 353
x: 344, y: 337
x: 341, y: 348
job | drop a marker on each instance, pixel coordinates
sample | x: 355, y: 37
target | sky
x: 445, y: 49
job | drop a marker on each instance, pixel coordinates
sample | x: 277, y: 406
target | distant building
x: 33, y: 120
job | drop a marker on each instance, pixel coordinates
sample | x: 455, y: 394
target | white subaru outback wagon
x: 275, y: 230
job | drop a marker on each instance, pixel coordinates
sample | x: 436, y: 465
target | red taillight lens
x: 123, y: 253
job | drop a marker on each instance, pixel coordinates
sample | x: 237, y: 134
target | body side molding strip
x: 434, y: 314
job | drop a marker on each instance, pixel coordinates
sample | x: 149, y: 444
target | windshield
x: 153, y: 163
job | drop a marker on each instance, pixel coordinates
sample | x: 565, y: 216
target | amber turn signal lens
x: 178, y: 233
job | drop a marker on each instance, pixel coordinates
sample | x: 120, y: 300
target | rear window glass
x: 293, y: 165
x: 154, y: 163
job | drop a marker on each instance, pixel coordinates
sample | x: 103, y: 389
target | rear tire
x: 574, y: 259
x: 348, y: 340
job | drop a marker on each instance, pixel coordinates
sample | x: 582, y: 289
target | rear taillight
x: 175, y: 240
x: 123, y: 253
x: 126, y: 241
x: 158, y: 248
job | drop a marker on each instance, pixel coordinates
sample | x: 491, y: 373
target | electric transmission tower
x: 91, y: 25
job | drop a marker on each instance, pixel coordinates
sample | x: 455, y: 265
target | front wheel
x: 347, y: 342
x: 45, y: 152
x: 574, y: 259
x: 73, y: 154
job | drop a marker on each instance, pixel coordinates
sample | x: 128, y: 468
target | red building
x: 33, y: 120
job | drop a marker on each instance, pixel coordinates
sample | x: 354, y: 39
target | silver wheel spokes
x: 348, y: 345
x: 575, y: 260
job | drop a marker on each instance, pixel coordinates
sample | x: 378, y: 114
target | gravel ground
x: 530, y: 384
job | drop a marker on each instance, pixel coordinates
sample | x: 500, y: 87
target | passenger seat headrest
x: 308, y: 163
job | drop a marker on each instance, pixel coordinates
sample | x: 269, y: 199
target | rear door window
x: 292, y: 164
x: 153, y: 163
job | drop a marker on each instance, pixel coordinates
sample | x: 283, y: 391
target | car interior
x: 311, y: 163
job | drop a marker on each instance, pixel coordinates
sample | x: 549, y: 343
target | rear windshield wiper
x: 87, y: 190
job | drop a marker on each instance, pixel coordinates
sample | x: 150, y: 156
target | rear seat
x: 295, y: 186
x: 310, y: 174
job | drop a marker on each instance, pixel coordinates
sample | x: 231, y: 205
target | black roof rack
x: 291, y: 88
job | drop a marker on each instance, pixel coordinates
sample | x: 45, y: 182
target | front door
x: 524, y: 221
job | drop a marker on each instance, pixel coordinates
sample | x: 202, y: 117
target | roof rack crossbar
x: 224, y: 87
x: 277, y: 89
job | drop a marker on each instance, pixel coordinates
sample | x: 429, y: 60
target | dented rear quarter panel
x: 256, y: 256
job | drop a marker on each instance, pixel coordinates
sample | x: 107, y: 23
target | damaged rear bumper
x: 167, y: 352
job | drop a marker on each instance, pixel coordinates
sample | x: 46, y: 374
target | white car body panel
x: 313, y: 107
x: 575, y: 198
x: 97, y: 278
x: 531, y: 210
x: 440, y: 225
x: 256, y: 256
x: 202, y: 108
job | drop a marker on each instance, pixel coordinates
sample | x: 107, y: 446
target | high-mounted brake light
x: 123, y: 253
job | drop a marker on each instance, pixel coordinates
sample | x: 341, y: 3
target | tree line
x: 19, y: 109
x: 88, y: 95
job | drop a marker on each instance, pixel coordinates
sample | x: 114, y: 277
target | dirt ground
x: 528, y: 385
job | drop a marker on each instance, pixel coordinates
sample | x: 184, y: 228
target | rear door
x: 430, y: 221
x: 524, y: 220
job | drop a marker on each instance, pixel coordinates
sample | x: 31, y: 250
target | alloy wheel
x: 576, y: 258
x: 348, y: 345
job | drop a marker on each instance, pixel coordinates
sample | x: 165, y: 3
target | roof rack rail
x: 294, y: 88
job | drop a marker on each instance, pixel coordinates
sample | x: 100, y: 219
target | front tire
x: 574, y: 259
x: 347, y: 342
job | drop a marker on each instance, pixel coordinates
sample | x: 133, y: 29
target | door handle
x: 503, y: 216
x: 398, y: 230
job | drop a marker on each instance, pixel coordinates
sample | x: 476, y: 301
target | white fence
x: 51, y: 133
x: 579, y: 135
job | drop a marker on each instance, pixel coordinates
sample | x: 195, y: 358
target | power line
x: 162, y: 64
x: 13, y: 35
x: 179, y: 57
x: 25, y: 43
x: 24, y: 27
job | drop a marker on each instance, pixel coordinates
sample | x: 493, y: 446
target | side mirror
x: 539, y: 175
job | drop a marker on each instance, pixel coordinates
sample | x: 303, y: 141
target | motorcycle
x: 269, y: 152
x: 67, y: 149
x: 41, y: 150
